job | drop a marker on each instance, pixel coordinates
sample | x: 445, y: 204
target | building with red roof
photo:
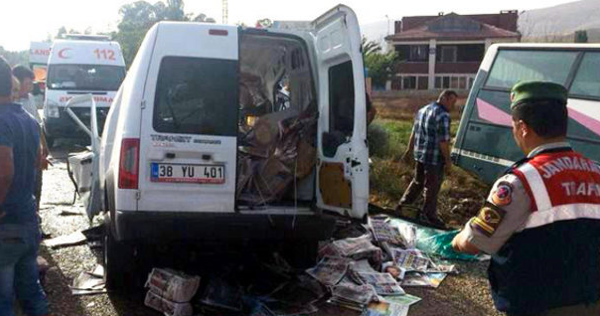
x: 444, y: 51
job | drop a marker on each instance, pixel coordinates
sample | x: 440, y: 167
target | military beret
x: 537, y: 90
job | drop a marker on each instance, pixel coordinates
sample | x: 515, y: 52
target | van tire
x: 118, y: 262
x: 50, y: 141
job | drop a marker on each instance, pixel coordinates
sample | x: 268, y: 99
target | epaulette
x: 516, y: 165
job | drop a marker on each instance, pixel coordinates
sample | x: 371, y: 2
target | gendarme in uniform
x: 541, y: 223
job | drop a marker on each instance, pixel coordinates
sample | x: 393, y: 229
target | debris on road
x: 275, y: 154
x: 330, y: 270
x: 383, y: 308
x: 88, y: 283
x: 167, y: 307
x: 220, y: 295
x: 430, y: 279
x: 74, y: 239
x: 171, y: 291
x: 173, y: 285
x: 91, y: 235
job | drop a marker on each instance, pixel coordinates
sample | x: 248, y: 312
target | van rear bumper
x: 172, y: 226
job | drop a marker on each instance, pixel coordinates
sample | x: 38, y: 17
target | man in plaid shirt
x: 429, y: 144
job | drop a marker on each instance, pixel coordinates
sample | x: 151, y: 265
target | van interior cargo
x: 277, y: 122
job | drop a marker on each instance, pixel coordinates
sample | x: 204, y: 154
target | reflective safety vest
x: 554, y: 259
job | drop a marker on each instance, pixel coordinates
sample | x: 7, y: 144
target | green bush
x: 378, y: 138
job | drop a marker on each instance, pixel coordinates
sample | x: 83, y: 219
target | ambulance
x: 77, y: 66
x: 39, y: 52
x: 484, y: 142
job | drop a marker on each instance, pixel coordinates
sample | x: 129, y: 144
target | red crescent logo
x: 61, y: 53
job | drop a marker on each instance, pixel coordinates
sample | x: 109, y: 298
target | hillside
x: 560, y: 20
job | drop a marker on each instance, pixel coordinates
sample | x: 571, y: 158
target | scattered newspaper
x: 409, y: 235
x: 362, y: 266
x: 392, y: 268
x: 443, y: 268
x: 352, y: 296
x: 173, y: 285
x: 411, y: 260
x: 167, y: 307
x: 383, y: 283
x: 300, y: 293
x: 330, y: 270
x: 384, y: 232
x: 417, y: 279
x: 88, y: 283
x: 359, y: 248
x: 282, y: 309
x: 405, y: 299
x: 220, y: 294
x: 386, y: 309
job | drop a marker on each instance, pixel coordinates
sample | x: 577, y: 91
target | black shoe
x: 436, y: 222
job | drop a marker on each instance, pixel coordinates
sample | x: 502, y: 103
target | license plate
x: 184, y: 173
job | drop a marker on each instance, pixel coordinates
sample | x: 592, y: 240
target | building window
x: 397, y: 83
x: 462, y: 83
x: 409, y: 82
x: 446, y: 83
x: 453, y: 82
x: 471, y: 82
x: 438, y: 82
x: 449, y: 54
x: 423, y: 83
x: 419, y: 53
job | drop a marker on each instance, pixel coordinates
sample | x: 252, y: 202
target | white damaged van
x: 78, y: 66
x: 229, y: 133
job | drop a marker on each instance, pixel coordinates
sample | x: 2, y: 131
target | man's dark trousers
x: 428, y: 179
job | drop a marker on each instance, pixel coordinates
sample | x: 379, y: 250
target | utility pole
x: 225, y: 12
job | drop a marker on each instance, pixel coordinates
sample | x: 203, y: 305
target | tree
x: 369, y: 47
x: 581, y: 36
x: 203, y: 18
x: 380, y: 65
x: 15, y: 58
x: 61, y: 32
x: 138, y: 17
x: 264, y: 23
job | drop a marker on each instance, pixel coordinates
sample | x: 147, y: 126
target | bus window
x: 587, y: 80
x: 512, y: 66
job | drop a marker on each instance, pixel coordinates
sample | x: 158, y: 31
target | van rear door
x: 189, y: 120
x: 343, y: 168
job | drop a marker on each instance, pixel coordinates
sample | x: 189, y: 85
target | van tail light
x: 129, y: 164
x: 217, y: 32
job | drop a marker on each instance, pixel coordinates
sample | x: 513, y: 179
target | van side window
x: 512, y: 66
x: 587, y: 80
x: 341, y: 99
x: 196, y: 96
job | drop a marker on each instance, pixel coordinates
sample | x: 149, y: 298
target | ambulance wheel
x: 118, y: 262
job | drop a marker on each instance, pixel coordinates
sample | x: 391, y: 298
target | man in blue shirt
x: 19, y: 233
x: 429, y: 145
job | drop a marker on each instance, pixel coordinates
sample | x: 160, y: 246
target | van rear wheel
x: 118, y: 262
x: 50, y: 141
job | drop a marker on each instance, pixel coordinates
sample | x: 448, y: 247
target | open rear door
x: 343, y: 166
x: 84, y: 167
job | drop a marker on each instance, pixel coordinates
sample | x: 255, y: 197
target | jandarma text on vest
x: 568, y: 163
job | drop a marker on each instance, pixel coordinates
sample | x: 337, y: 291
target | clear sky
x: 22, y: 21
